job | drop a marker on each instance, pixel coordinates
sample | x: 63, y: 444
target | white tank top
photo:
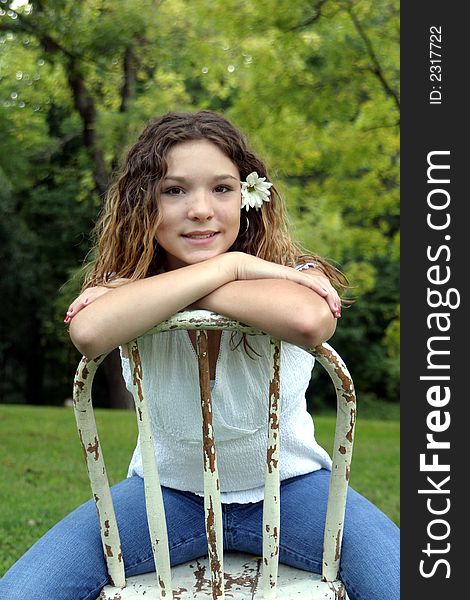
x: 240, y: 397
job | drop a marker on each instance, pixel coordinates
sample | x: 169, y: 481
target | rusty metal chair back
x: 243, y: 574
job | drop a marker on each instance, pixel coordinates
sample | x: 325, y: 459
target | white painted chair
x: 234, y: 575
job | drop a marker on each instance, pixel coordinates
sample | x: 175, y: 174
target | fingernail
x: 70, y: 311
x: 338, y: 313
x: 67, y: 319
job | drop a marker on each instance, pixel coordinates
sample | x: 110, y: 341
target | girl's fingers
x: 86, y: 298
x: 336, y: 308
x: 334, y: 302
x: 73, y: 309
x: 321, y: 285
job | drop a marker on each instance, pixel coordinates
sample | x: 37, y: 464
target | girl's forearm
x: 281, y: 308
x: 272, y: 297
x: 132, y: 309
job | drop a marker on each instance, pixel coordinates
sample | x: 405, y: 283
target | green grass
x: 375, y: 469
x: 43, y: 475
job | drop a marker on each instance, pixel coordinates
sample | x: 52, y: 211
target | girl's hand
x: 246, y: 266
x: 91, y: 294
x: 325, y: 289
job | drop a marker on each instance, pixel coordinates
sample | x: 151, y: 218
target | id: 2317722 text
x: 435, y: 64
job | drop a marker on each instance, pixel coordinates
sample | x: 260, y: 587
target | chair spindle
x: 212, y: 505
x: 271, y: 507
x: 153, y: 491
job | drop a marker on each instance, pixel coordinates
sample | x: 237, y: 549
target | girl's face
x: 200, y: 204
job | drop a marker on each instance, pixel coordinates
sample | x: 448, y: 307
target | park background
x: 315, y: 87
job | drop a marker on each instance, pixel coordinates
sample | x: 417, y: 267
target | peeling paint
x: 137, y: 374
x: 332, y: 358
x: 250, y: 578
x: 217, y: 579
x: 85, y: 372
x: 352, y: 422
x: 208, y: 437
x: 80, y: 434
x: 161, y: 583
x: 206, y: 403
x: 200, y: 576
x: 338, y: 544
x: 94, y: 448
x: 271, y: 461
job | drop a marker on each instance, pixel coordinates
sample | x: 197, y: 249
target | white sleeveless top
x: 240, y: 399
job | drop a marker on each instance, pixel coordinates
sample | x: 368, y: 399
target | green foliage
x: 315, y: 87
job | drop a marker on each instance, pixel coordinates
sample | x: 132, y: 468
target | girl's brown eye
x: 174, y: 191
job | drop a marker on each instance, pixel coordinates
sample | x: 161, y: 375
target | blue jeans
x: 68, y: 564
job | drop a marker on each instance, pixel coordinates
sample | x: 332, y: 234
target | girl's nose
x: 201, y: 207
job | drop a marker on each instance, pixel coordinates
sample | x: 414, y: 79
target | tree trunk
x: 34, y: 382
x: 118, y: 394
x: 85, y: 105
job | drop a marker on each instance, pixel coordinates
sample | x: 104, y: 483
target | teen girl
x: 193, y: 221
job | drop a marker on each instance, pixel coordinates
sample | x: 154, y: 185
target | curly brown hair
x: 125, y: 235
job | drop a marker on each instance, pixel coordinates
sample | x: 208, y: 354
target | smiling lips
x: 200, y: 236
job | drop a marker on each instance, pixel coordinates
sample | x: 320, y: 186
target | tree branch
x: 85, y: 106
x: 128, y: 86
x: 376, y: 68
x: 82, y: 99
x: 316, y: 15
x: 24, y: 24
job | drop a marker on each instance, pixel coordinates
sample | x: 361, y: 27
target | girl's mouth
x: 200, y: 236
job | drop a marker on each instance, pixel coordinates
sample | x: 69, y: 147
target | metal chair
x: 236, y: 575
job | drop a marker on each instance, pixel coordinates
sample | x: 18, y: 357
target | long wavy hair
x: 125, y: 241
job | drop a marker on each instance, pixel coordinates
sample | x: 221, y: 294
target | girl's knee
x: 19, y: 584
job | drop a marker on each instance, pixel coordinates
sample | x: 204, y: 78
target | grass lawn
x: 43, y: 475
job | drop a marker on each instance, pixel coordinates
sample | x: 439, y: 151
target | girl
x: 192, y: 221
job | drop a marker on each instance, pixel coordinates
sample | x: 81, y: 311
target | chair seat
x: 243, y: 581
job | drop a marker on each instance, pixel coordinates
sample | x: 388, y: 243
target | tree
x: 314, y: 84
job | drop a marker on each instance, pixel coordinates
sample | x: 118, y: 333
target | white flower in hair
x: 255, y: 191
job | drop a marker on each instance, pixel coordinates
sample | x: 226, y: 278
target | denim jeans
x: 67, y: 562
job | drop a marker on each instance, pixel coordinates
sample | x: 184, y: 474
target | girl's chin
x: 176, y: 262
